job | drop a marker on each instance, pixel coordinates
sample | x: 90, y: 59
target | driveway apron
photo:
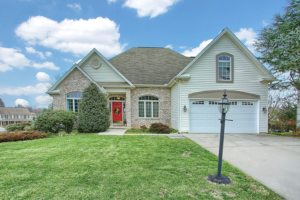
x: 272, y: 160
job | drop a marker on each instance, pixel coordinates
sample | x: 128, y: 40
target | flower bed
x: 21, y: 135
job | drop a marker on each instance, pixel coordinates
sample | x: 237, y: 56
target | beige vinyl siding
x: 174, y: 106
x: 203, y: 77
x: 103, y: 74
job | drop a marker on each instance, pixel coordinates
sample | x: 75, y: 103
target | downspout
x: 179, y: 113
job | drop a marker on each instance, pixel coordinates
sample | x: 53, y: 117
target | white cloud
x: 42, y: 76
x: 68, y: 60
x: 22, y: 102
x: 44, y: 99
x: 40, y: 88
x: 265, y: 23
x: 169, y: 46
x: 33, y: 51
x: 197, y: 50
x: 47, y: 65
x: 48, y: 53
x: 76, y: 36
x: 4, y: 67
x: 182, y: 47
x: 248, y: 36
x: 75, y: 6
x: 151, y: 8
x: 111, y: 1
x: 10, y: 57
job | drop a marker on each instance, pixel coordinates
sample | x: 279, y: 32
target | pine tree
x: 2, y: 103
x: 93, y: 111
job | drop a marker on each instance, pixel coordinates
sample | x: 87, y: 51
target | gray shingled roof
x: 14, y: 111
x: 150, y: 65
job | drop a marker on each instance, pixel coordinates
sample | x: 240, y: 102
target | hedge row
x: 21, y: 135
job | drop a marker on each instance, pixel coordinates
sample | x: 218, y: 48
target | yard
x: 88, y: 166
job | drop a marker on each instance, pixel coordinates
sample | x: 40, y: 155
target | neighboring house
x: 32, y: 115
x: 147, y: 85
x: 13, y: 116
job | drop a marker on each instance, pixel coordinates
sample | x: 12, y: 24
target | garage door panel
x: 204, y: 118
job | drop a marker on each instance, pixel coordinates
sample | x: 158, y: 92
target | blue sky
x: 40, y: 39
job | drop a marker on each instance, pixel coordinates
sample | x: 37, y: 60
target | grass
x: 284, y: 134
x: 88, y: 166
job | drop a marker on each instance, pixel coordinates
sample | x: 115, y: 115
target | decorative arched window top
x: 148, y: 106
x: 148, y: 98
x: 74, y: 95
x: 117, y: 98
x: 224, y: 68
x: 73, y: 100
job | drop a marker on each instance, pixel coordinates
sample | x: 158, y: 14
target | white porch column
x: 128, y: 107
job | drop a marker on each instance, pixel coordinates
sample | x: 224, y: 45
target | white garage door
x: 205, y: 115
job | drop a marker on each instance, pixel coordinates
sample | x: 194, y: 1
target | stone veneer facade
x: 164, y: 97
x: 76, y: 81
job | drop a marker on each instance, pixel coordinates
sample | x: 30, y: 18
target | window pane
x: 76, y: 104
x: 141, y: 109
x: 155, y: 109
x: 148, y: 109
x: 70, y: 104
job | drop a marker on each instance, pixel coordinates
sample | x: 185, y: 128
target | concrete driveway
x: 272, y: 160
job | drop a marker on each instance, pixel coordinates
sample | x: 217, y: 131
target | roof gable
x: 75, y: 66
x: 240, y: 45
x: 107, y: 65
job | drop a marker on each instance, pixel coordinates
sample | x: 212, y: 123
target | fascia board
x: 247, y: 51
x: 103, y: 58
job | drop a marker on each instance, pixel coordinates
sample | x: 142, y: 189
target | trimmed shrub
x: 159, y: 128
x: 93, y: 114
x: 55, y: 121
x: 21, y: 135
x: 18, y: 127
x: 143, y: 127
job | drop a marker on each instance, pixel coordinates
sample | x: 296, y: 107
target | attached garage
x: 204, y: 113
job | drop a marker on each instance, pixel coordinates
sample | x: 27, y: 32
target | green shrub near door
x: 94, y: 115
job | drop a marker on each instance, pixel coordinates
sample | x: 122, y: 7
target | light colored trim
x: 226, y: 30
x: 67, y: 73
x: 217, y: 94
x: 179, y: 111
x: 101, y: 88
x: 148, y: 85
x: 103, y: 58
x: 231, y: 68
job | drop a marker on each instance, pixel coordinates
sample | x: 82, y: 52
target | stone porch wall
x: 76, y: 81
x: 164, y: 96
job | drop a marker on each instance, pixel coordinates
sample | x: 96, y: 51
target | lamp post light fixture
x: 224, y: 107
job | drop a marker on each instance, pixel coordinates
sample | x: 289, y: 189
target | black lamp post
x: 223, y: 106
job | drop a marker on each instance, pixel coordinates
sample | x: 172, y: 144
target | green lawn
x: 117, y: 167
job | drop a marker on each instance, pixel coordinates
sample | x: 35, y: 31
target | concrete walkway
x: 112, y: 131
x: 272, y: 160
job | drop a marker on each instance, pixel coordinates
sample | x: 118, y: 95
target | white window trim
x: 151, y: 108
x: 227, y: 61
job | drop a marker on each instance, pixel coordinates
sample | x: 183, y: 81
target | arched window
x: 148, y: 106
x: 73, y: 100
x: 224, y: 68
x: 117, y: 98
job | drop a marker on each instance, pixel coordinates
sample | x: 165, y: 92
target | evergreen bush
x: 55, y: 121
x: 94, y: 116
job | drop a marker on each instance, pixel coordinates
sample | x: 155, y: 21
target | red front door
x: 117, y: 111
